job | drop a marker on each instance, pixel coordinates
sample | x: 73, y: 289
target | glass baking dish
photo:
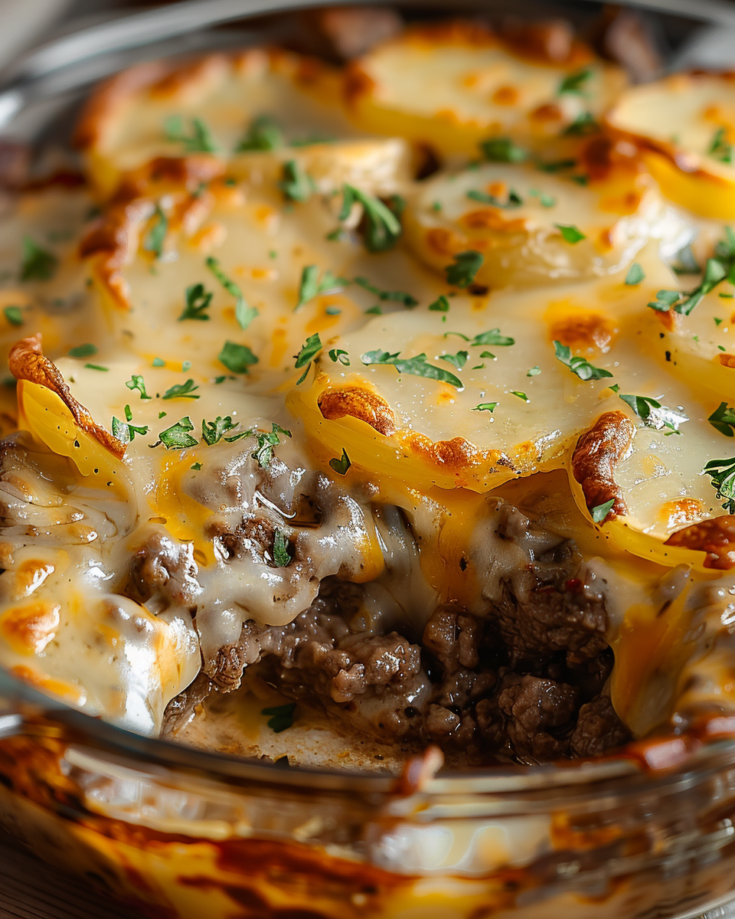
x: 182, y: 833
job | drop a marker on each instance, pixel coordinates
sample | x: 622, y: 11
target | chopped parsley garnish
x: 722, y: 473
x: 281, y: 555
x: 382, y: 227
x: 339, y: 354
x: 196, y: 466
x: 237, y: 358
x: 717, y: 269
x: 263, y: 453
x: 136, y: 381
x: 178, y: 436
x: 157, y: 362
x: 521, y: 395
x: 685, y: 261
x: 466, y: 265
x: 544, y: 199
x: 397, y: 296
x: 570, y: 233
x: 342, y: 464
x: 182, y: 391
x: 296, y: 184
x: 414, y: 366
x: 440, y: 305
x: 485, y: 407
x: 13, y: 314
x: 723, y: 419
x: 600, y: 512
x: 720, y: 148
x: 534, y: 371
x: 376, y: 310
x: 243, y: 312
x: 124, y: 430
x: 514, y: 199
x: 579, y: 365
x: 197, y: 303
x: 652, y: 413
x: 97, y: 367
x: 555, y: 165
x: 281, y: 716
x: 573, y: 85
x: 199, y: 140
x: 311, y: 285
x: 214, y: 431
x: 309, y: 350
x: 86, y: 350
x: 263, y: 133
x: 582, y: 125
x: 493, y: 337
x: 457, y: 360
x: 38, y: 264
x: 502, y: 150
x: 157, y: 234
x: 635, y: 275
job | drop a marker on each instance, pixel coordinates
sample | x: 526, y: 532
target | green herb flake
x: 457, y: 360
x: 281, y: 551
x: 574, y: 84
x: 555, y: 165
x: 382, y: 227
x: 13, y: 315
x: 197, y: 301
x: 722, y: 473
x: 157, y: 362
x: 281, y: 717
x: 178, y: 436
x: 600, y: 512
x: 156, y: 236
x: 570, y: 233
x: 720, y: 148
x: 440, y: 305
x: 415, y: 366
x: 37, y: 264
x: 521, y: 395
x: 182, y: 391
x: 579, y: 365
x: 464, y: 270
x: 199, y: 140
x: 544, y: 199
x: 485, y: 407
x: 86, y: 350
x: 196, y: 466
x: 339, y: 354
x: 263, y: 133
x: 513, y: 199
x: 653, y: 414
x: 342, y: 464
x: 244, y: 313
x: 309, y: 350
x: 635, y: 275
x: 214, y: 431
x: 502, y: 150
x: 583, y: 125
x: 312, y: 285
x: 397, y: 296
x: 263, y: 452
x: 534, y: 372
x: 723, y: 419
x: 136, y: 382
x: 97, y: 367
x: 296, y: 184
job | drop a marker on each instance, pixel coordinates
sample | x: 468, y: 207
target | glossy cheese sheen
x: 686, y: 125
x: 454, y: 86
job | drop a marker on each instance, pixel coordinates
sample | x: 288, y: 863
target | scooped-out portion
x: 343, y: 420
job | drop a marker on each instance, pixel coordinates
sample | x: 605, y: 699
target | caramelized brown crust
x: 26, y: 362
x: 361, y: 404
x: 597, y: 453
x: 715, y: 536
x: 583, y: 331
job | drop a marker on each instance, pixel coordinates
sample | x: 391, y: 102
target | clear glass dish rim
x: 66, y: 62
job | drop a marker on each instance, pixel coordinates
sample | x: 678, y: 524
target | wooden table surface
x: 30, y: 889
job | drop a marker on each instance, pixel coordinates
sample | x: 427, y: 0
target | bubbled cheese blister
x: 453, y: 85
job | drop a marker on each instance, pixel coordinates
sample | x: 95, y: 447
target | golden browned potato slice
x: 454, y: 85
x: 218, y: 106
x: 533, y: 227
x: 685, y: 126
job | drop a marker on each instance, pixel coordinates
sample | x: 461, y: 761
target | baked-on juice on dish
x: 372, y: 416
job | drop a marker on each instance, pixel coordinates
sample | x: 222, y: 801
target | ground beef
x: 598, y: 729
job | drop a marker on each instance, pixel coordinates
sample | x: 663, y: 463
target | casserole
x: 510, y: 854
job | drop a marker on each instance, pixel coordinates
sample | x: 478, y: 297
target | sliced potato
x: 685, y: 126
x: 216, y: 106
x: 454, y: 85
x: 533, y: 227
